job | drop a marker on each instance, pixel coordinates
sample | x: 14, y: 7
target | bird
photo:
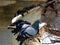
x: 28, y: 32
x: 19, y: 25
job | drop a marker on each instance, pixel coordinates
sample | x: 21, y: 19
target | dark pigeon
x: 19, y: 26
x: 19, y: 12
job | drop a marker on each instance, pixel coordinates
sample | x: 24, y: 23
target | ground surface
x: 5, y: 37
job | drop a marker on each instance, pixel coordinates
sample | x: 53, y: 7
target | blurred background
x: 7, y: 10
x: 9, y: 7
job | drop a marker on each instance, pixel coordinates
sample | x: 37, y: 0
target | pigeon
x: 19, y: 25
x: 28, y: 32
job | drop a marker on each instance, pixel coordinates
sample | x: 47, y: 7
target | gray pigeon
x: 29, y: 32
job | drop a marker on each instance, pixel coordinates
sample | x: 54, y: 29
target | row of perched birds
x: 26, y: 9
x: 24, y: 28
